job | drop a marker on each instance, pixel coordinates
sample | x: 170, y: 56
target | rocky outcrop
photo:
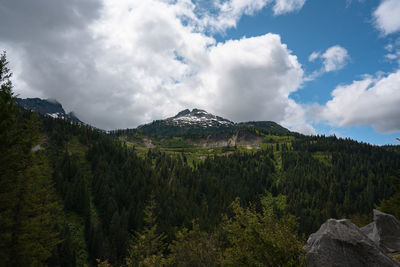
x: 47, y: 107
x: 224, y: 139
x: 384, y: 231
x: 341, y: 243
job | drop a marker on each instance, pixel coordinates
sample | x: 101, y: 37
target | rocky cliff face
x: 341, y: 243
x: 222, y: 139
x: 384, y: 231
x: 47, y: 107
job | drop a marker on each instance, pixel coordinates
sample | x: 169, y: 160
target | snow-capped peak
x: 197, y: 117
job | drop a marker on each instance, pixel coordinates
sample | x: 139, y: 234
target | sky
x: 316, y: 67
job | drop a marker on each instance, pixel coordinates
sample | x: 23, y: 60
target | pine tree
x: 147, y: 246
x: 27, y: 199
x: 194, y: 248
x: 262, y: 239
x: 392, y: 205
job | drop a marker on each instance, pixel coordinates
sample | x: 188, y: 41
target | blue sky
x: 316, y: 67
x: 320, y: 25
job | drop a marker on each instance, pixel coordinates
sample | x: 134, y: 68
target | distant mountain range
x: 187, y: 122
x: 47, y: 107
x: 199, y: 121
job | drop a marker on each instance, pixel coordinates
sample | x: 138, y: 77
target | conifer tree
x: 262, y: 239
x: 147, y: 247
x: 195, y: 248
x: 27, y: 199
x: 392, y: 205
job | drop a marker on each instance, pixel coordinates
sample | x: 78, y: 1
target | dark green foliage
x: 122, y: 183
x: 395, y: 148
x: 195, y: 248
x: 245, y: 238
x: 96, y: 240
x: 267, y: 127
x: 28, y: 204
x: 392, y: 205
x: 355, y: 180
x: 321, y: 178
x: 262, y: 239
x: 64, y: 255
x: 72, y: 185
x: 160, y: 128
x: 147, y: 246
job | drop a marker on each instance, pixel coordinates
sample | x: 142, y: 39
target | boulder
x: 341, y: 243
x: 384, y: 231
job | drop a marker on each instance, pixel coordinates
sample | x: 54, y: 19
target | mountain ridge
x: 186, y: 122
x: 198, y: 127
x: 201, y: 122
x: 47, y: 107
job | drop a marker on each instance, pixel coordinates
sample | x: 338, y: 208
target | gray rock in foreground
x: 341, y: 243
x: 384, y: 231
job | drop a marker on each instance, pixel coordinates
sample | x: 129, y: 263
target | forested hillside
x: 71, y: 195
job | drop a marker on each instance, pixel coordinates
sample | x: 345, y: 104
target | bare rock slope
x: 341, y: 243
x: 384, y: 231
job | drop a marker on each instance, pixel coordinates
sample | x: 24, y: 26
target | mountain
x: 186, y: 122
x: 197, y: 117
x: 49, y: 107
x: 201, y: 123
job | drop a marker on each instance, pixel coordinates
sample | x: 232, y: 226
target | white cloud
x: 371, y: 101
x: 229, y: 13
x: 314, y: 55
x: 389, y: 47
x: 335, y: 58
x: 386, y: 16
x: 394, y: 51
x: 296, y: 118
x: 391, y: 56
x: 286, y: 6
x: 134, y: 61
x: 251, y: 79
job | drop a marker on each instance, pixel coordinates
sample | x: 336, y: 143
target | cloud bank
x: 228, y: 13
x: 370, y: 101
x: 118, y: 64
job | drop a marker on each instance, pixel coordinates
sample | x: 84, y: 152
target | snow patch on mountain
x: 47, y: 107
x: 197, y: 117
x: 54, y: 115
